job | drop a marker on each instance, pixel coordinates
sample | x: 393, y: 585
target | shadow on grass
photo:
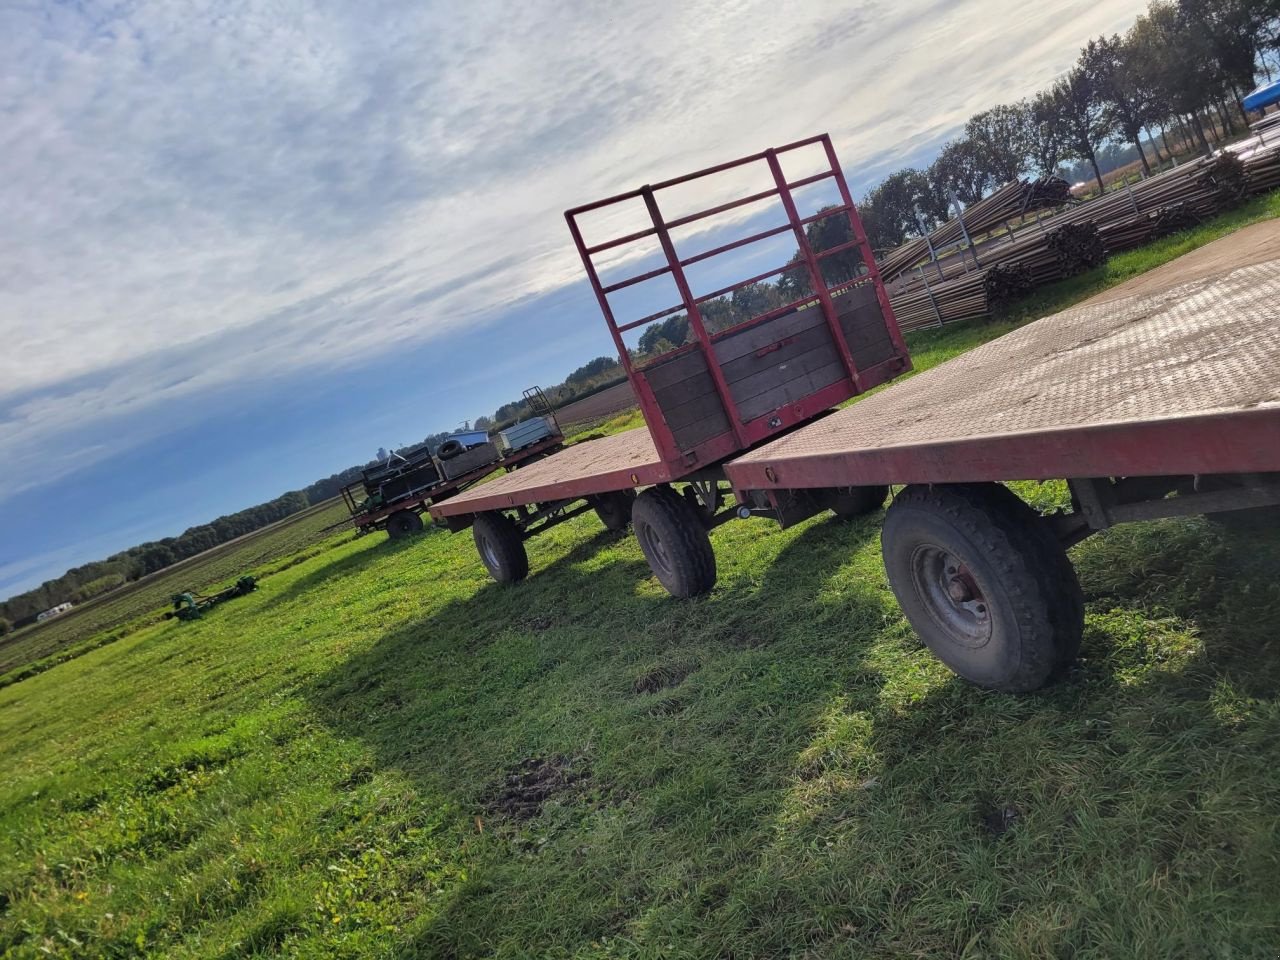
x: 783, y: 742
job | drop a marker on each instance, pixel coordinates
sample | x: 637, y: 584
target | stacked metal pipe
x: 1002, y: 266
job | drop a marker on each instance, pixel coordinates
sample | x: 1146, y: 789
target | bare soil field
x: 598, y: 406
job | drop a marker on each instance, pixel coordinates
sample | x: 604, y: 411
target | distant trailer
x: 394, y: 497
x: 1150, y: 406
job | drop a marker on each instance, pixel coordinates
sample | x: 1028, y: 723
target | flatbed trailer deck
x: 1154, y: 405
x: 1186, y: 381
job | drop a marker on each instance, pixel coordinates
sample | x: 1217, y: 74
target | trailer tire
x: 501, y: 547
x: 675, y: 542
x: 403, y: 523
x: 983, y: 583
x: 614, y: 508
x: 850, y: 502
x: 450, y: 449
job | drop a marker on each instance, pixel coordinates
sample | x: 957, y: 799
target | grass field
x: 381, y: 753
x: 119, y: 610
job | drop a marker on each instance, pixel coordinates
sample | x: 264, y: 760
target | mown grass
x: 117, y: 613
x: 776, y: 770
x: 381, y: 753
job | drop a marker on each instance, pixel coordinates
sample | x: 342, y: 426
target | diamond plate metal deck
x: 622, y: 461
x: 1182, y: 381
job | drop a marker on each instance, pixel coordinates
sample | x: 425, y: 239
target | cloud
x: 199, y: 198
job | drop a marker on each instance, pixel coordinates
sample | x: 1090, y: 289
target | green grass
x: 331, y: 767
x: 119, y: 612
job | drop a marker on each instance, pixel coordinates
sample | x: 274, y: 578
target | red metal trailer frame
x: 1156, y: 405
x: 741, y: 429
x: 661, y: 452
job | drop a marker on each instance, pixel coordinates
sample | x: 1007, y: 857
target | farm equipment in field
x: 189, y: 606
x: 393, y: 495
x: 1154, y: 405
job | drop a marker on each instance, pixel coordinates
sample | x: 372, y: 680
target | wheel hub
x: 952, y: 596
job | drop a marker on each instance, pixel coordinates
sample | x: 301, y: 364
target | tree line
x: 1170, y: 84
x: 92, y: 579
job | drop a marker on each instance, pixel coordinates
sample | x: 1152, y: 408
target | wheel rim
x: 654, y: 550
x: 952, y: 596
x: 488, y: 554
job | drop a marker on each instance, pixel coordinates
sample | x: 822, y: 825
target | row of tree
x: 92, y: 579
x: 1180, y: 71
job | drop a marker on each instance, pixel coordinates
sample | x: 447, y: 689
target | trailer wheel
x: 674, y: 541
x: 614, y: 508
x: 403, y: 523
x: 450, y: 449
x: 849, y: 502
x: 984, y: 583
x: 501, y: 547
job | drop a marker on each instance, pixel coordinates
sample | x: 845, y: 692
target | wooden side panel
x: 687, y: 396
x: 864, y: 328
x: 779, y: 362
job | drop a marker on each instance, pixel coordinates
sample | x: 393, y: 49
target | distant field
x: 598, y: 406
x: 214, y: 568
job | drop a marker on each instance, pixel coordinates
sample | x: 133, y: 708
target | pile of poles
x: 961, y: 271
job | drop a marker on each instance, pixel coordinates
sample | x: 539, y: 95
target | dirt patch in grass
x: 998, y: 819
x: 532, y: 782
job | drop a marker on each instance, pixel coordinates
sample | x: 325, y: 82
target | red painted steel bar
x: 712, y: 211
x: 638, y: 278
x: 868, y: 256
x: 815, y: 272
x: 695, y: 322
x: 650, y: 318
x: 824, y: 214
x: 643, y: 393
x: 620, y: 241
x: 742, y: 283
x: 716, y: 251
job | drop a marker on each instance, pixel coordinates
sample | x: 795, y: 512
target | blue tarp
x: 1264, y: 96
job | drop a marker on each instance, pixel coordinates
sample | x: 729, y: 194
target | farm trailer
x: 394, y: 497
x: 1151, y: 406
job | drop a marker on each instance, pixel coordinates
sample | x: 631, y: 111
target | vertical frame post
x: 695, y: 316
x: 648, y: 402
x: 873, y: 271
x: 827, y: 306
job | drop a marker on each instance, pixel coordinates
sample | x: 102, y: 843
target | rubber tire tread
x: 450, y: 449
x: 681, y: 530
x: 1030, y: 566
x: 1055, y: 569
x: 614, y: 508
x: 508, y: 544
x: 403, y: 523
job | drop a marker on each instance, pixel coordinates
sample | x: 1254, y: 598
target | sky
x: 247, y: 244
